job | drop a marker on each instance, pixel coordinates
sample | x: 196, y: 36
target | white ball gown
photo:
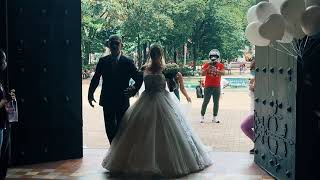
x: 154, y: 137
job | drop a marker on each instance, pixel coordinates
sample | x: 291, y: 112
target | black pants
x: 112, y: 120
x: 215, y: 93
x: 5, y: 153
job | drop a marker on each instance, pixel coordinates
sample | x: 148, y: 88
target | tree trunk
x: 145, y: 45
x: 87, y: 53
x: 194, y: 55
x: 139, y: 53
x: 165, y: 53
x: 174, y: 54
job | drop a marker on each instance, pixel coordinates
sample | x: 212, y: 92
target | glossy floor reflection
x: 226, y: 166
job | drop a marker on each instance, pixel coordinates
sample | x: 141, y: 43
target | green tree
x: 203, y: 24
x: 146, y: 23
x: 99, y: 20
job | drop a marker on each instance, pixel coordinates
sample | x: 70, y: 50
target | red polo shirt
x: 212, y: 78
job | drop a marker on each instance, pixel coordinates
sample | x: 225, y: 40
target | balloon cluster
x: 282, y: 21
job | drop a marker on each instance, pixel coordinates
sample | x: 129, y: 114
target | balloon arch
x: 283, y: 22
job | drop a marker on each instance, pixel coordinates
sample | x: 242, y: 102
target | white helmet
x: 214, y: 54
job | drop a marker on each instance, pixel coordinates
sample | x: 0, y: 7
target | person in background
x: 213, y: 71
x: 248, y: 123
x: 179, y: 80
x: 224, y: 84
x: 199, y: 89
x: 229, y: 68
x: 180, y: 84
x: 240, y: 68
x: 4, y: 122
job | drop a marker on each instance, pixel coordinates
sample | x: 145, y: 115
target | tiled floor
x: 226, y: 136
x: 226, y: 166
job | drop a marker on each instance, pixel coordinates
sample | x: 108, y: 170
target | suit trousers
x: 112, y: 121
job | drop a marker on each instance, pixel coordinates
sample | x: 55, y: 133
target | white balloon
x: 287, y: 37
x: 264, y: 10
x: 253, y: 36
x: 295, y: 30
x: 292, y: 11
x: 251, y: 14
x: 312, y: 3
x: 274, y: 27
x: 277, y: 4
x: 310, y: 21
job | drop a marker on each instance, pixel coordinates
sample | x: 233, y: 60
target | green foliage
x: 89, y: 66
x: 202, y: 24
x: 186, y: 71
x: 171, y: 68
x: 99, y: 20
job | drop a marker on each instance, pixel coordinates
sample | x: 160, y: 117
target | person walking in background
x: 247, y: 124
x: 213, y: 71
x: 229, y: 68
x: 240, y: 68
x: 199, y: 89
x: 179, y: 80
x: 224, y: 84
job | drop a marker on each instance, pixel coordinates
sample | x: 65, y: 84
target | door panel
x: 308, y: 110
x: 44, y: 46
x: 275, y: 145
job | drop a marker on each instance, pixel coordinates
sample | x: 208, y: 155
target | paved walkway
x: 226, y: 136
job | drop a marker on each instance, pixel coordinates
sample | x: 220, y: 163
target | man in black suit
x: 116, y: 71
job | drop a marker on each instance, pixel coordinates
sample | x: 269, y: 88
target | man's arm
x: 95, y: 82
x: 205, y: 69
x: 221, y: 71
x: 136, y: 76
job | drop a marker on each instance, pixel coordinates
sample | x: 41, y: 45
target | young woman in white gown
x: 154, y: 137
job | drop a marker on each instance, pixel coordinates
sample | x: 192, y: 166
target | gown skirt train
x: 155, y: 138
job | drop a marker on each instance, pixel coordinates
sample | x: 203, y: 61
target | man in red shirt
x: 213, y: 71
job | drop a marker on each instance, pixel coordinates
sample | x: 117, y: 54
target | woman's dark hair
x: 155, y: 53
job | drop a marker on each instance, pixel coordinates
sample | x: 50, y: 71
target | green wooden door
x: 275, y: 116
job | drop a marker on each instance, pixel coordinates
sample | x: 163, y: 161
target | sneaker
x: 215, y: 119
x: 251, y: 151
x: 201, y: 119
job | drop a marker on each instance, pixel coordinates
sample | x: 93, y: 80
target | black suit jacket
x: 115, y: 80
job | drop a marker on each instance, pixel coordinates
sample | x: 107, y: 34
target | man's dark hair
x: 113, y: 37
